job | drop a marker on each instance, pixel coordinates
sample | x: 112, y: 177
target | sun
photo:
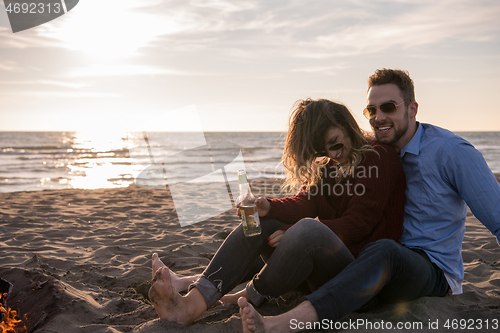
x: 109, y: 29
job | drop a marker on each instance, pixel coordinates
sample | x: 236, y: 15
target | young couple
x: 367, y: 247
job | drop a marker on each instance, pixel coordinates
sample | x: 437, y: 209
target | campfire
x: 9, y: 322
x: 8, y: 317
x: 27, y: 303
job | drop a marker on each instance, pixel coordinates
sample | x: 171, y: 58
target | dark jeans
x: 308, y: 251
x: 384, y: 272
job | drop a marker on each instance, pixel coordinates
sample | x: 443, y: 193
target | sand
x: 80, y: 261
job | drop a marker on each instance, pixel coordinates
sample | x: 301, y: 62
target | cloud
x: 266, y: 30
x: 321, y: 69
x: 224, y: 6
x: 71, y: 85
x: 121, y: 70
x: 9, y: 66
x: 110, y: 29
x: 423, y: 24
x: 28, y: 39
x: 439, y: 80
x: 243, y: 29
x: 62, y: 94
x: 64, y: 84
x: 103, y: 29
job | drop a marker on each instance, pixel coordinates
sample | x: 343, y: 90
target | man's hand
x: 275, y: 238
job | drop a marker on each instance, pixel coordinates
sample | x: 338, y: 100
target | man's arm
x: 466, y: 170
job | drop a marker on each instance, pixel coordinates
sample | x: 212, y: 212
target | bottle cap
x: 242, y: 177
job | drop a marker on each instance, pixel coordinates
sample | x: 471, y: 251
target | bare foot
x: 233, y: 298
x: 251, y: 320
x: 179, y: 282
x: 156, y: 263
x: 172, y: 306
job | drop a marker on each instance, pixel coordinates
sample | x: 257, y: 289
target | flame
x: 9, y: 323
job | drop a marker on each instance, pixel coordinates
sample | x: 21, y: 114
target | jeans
x: 384, y: 272
x: 308, y: 251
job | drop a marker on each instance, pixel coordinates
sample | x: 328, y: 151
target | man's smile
x: 384, y: 128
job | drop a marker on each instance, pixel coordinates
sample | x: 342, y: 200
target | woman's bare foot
x: 233, y: 298
x: 251, y: 320
x: 156, y: 263
x: 172, y: 306
x: 179, y: 282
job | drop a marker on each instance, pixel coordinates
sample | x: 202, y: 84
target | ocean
x: 31, y: 161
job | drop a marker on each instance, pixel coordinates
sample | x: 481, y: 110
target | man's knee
x: 388, y: 246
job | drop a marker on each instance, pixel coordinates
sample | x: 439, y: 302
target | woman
x: 356, y: 191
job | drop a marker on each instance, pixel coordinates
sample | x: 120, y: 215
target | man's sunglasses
x: 388, y: 108
x: 335, y: 147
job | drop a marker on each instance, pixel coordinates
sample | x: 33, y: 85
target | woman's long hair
x: 305, y: 141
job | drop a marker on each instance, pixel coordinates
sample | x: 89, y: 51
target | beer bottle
x: 248, y: 209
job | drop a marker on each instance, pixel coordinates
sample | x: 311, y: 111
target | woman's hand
x: 263, y: 207
x: 275, y: 238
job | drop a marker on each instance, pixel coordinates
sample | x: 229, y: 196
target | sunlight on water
x: 103, y: 162
x: 102, y: 174
x: 97, y: 141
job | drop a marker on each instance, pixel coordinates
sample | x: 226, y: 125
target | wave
x: 34, y: 148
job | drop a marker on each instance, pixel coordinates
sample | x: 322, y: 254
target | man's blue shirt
x: 444, y: 174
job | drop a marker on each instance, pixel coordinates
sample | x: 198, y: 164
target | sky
x: 242, y: 64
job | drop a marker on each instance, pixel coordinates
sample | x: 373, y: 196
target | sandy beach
x: 80, y: 261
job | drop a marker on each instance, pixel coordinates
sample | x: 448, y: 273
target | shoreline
x: 258, y: 181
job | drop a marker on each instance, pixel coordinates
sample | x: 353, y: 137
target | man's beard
x: 398, y: 132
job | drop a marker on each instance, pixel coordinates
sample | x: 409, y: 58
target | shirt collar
x: 413, y: 147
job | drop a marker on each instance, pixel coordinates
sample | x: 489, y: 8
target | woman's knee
x: 306, y: 225
x: 308, y: 229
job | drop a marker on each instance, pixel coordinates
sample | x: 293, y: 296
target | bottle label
x: 256, y: 218
x: 243, y: 218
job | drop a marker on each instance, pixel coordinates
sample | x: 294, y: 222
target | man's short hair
x: 400, y: 78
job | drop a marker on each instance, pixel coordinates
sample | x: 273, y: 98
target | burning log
x: 8, y: 316
x: 5, y: 288
x: 31, y: 302
x: 9, y: 322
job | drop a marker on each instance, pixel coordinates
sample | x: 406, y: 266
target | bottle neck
x: 244, y: 188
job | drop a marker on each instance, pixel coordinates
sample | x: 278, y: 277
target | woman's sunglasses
x: 388, y: 108
x: 335, y: 147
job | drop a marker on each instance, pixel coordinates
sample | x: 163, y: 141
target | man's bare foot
x: 251, y: 320
x: 172, y: 306
x: 179, y: 282
x: 233, y: 298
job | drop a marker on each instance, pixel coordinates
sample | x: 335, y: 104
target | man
x: 444, y: 174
